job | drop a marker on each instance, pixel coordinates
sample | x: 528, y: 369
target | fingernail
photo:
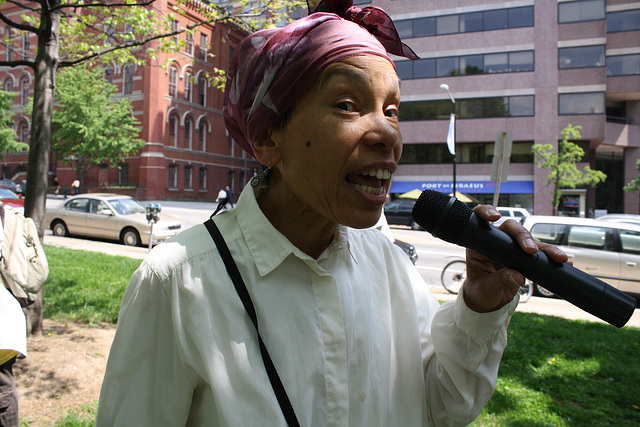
x: 492, y: 211
x: 512, y: 280
x: 530, y: 243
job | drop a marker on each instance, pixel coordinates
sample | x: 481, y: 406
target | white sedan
x: 108, y: 216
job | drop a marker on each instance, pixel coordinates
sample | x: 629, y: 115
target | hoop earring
x: 261, y: 177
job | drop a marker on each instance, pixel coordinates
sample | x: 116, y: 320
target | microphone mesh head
x: 431, y: 213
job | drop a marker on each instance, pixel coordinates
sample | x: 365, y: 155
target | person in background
x: 13, y: 345
x: 353, y: 332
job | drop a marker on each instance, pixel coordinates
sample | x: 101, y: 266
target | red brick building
x: 188, y: 153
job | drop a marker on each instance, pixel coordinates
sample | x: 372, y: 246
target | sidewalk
x: 96, y: 246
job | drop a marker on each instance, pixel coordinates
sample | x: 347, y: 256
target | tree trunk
x: 46, y: 65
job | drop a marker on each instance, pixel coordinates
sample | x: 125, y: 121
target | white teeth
x: 378, y: 173
x: 371, y: 190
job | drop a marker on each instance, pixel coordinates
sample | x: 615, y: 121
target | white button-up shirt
x: 356, y: 336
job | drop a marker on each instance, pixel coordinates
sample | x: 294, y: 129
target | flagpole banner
x: 451, y: 136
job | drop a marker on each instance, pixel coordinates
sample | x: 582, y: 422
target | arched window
x: 202, y: 136
x: 202, y: 90
x: 127, y: 85
x: 23, y: 132
x: 173, y: 129
x: 173, y: 81
x: 188, y: 133
x: 24, y: 91
x: 8, y: 85
x: 188, y: 85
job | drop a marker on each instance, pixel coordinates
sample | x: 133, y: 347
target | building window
x: 108, y: 74
x: 25, y: 44
x: 489, y: 63
x: 496, y: 20
x: 581, y: 57
x: 175, y: 26
x: 202, y: 178
x: 23, y: 132
x: 202, y: 90
x: 204, y: 47
x: 487, y: 20
x: 474, y: 152
x: 188, y: 177
x: 581, y: 103
x: 9, y: 43
x: 189, y: 43
x: 8, y: 85
x: 173, y: 176
x: 173, y: 129
x: 173, y: 81
x: 24, y: 91
x: 521, y: 106
x: 623, y: 65
x: 579, y: 11
x: 510, y: 106
x: 188, y: 133
x: 123, y: 175
x: 202, y: 136
x: 188, y: 86
x: 627, y: 20
x: 127, y: 85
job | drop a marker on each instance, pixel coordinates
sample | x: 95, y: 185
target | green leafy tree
x: 8, y: 139
x: 89, y: 128
x: 634, y: 185
x: 563, y: 172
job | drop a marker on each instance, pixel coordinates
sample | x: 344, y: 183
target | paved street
x: 197, y: 212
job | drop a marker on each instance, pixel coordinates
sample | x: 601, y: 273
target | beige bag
x: 23, y: 266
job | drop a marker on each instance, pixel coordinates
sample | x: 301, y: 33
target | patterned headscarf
x: 272, y: 69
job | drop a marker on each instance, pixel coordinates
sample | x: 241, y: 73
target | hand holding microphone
x: 451, y: 220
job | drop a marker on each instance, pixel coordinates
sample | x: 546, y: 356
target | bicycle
x: 455, y: 273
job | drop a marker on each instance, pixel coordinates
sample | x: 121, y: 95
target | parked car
x: 11, y: 185
x: 10, y: 198
x: 631, y: 219
x: 408, y: 249
x: 518, y: 214
x: 398, y: 212
x: 609, y: 251
x: 108, y: 216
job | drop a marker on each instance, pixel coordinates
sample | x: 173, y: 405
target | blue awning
x: 478, y: 187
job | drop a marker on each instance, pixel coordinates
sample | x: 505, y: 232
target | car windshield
x: 7, y: 194
x: 127, y: 206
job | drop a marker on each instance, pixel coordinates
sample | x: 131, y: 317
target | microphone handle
x: 579, y: 288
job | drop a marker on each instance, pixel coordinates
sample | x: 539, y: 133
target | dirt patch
x: 63, y: 370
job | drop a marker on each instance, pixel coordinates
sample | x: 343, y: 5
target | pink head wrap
x: 272, y: 69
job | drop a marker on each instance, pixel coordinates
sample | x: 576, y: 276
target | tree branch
x: 137, y: 43
x: 14, y: 24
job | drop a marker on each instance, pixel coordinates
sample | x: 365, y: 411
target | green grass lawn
x: 554, y: 372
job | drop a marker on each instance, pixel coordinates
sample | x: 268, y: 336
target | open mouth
x: 371, y: 182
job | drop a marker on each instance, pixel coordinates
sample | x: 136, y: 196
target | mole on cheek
x: 308, y: 144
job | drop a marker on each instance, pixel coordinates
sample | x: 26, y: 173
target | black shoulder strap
x: 241, y: 289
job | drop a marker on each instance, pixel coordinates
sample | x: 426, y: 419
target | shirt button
x: 363, y: 397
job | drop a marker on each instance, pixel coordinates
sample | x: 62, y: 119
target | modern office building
x: 528, y: 68
x: 188, y: 153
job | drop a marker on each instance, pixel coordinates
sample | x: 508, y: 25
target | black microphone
x: 451, y: 220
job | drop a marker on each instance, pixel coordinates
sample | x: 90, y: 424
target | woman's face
x: 342, y: 143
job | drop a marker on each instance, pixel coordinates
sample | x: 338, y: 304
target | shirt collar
x: 268, y: 247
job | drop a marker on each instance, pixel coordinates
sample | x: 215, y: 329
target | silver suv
x: 609, y: 251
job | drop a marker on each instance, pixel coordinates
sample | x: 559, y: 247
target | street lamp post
x: 451, y: 136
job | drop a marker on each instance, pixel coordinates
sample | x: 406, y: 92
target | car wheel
x: 59, y: 229
x: 539, y: 290
x: 130, y: 237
